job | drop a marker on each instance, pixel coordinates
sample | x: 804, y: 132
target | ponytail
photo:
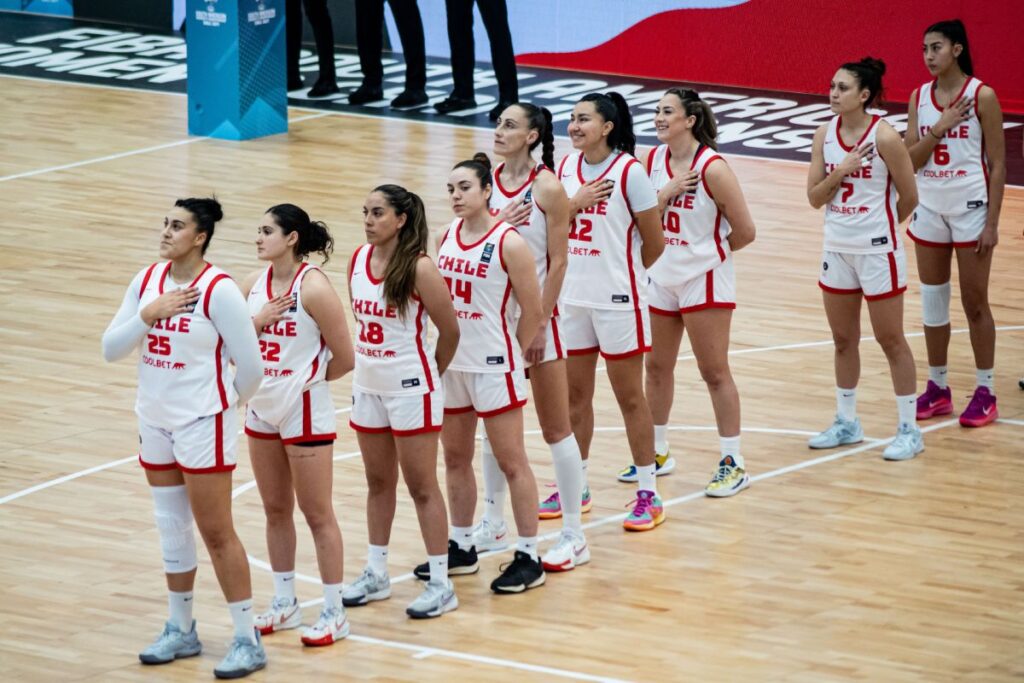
x: 539, y: 119
x: 314, y: 237
x: 868, y: 72
x: 955, y: 31
x: 413, y: 237
x: 613, y: 107
x: 705, y: 128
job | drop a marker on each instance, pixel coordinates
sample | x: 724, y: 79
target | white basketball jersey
x: 294, y: 353
x: 605, y: 269
x: 392, y: 354
x: 695, y: 229
x: 861, y: 216
x: 183, y: 365
x: 955, y: 178
x: 535, y: 229
x: 484, y: 301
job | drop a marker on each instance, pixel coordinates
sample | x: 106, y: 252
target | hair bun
x: 876, y: 64
x: 482, y: 158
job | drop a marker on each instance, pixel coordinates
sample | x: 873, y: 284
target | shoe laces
x: 553, y: 498
x: 281, y: 604
x: 641, y: 505
x: 518, y: 560
x: 978, y: 400
x: 723, y: 473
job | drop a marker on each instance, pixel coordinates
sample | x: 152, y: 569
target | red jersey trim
x: 209, y: 292
x: 352, y: 264
x: 888, y: 211
x: 513, y: 193
x: 935, y: 102
x: 369, y: 268
x: 270, y: 279
x: 650, y: 160
x: 167, y: 271
x: 420, y: 312
x: 220, y: 373
x: 579, y: 168
x: 839, y: 135
x: 474, y: 245
x: 145, y: 278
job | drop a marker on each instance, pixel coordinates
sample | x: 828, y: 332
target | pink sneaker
x: 981, y: 410
x: 934, y: 401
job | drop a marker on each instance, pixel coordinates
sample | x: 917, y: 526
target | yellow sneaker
x: 663, y: 464
x: 729, y: 480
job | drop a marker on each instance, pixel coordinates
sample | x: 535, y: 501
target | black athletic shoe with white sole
x: 519, y: 575
x: 460, y: 562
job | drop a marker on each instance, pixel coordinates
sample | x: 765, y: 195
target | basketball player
x: 857, y: 161
x: 492, y: 280
x: 397, y: 394
x: 536, y: 192
x: 955, y: 138
x: 693, y: 285
x: 614, y: 237
x: 189, y: 322
x: 291, y: 421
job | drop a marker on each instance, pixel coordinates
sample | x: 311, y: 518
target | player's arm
x: 821, y: 187
x: 550, y: 195
x: 643, y: 201
x: 921, y: 147
x: 437, y: 300
x: 230, y: 316
x: 725, y: 188
x: 901, y: 169
x: 323, y: 305
x: 127, y: 330
x: 518, y: 262
x: 991, y: 117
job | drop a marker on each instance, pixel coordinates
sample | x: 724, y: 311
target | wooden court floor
x: 834, y: 566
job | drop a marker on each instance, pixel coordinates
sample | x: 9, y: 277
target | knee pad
x: 935, y: 304
x: 174, y: 523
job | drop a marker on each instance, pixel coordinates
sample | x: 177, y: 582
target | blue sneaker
x: 841, y: 432
x: 172, y: 644
x: 243, y: 658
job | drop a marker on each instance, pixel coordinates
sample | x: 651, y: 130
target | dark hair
x: 955, y: 31
x: 206, y: 211
x: 868, y: 72
x: 400, y: 275
x: 313, y: 235
x: 705, y: 128
x: 480, y: 164
x: 613, y: 107
x: 539, y: 119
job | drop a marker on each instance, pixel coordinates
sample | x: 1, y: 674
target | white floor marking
x: 67, y: 477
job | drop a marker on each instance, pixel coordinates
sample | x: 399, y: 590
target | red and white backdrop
x: 787, y: 45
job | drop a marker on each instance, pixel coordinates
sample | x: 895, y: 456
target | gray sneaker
x: 841, y: 432
x: 906, y: 445
x: 368, y: 587
x: 435, y: 600
x: 172, y: 644
x: 243, y: 657
x: 488, y: 536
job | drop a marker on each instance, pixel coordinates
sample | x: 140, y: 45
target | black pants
x: 369, y: 31
x: 460, y: 38
x: 323, y: 32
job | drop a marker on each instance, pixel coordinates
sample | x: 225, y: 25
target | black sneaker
x: 519, y: 575
x: 410, y: 98
x: 453, y: 103
x: 365, y: 93
x: 323, y: 89
x: 460, y: 562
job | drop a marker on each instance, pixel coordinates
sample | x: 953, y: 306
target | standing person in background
x: 291, y: 421
x: 955, y: 138
x: 323, y: 32
x: 693, y: 284
x: 189, y: 325
x: 369, y: 27
x: 614, y: 237
x: 503, y: 58
x: 857, y: 159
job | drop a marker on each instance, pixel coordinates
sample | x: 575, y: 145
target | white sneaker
x: 243, y: 658
x: 569, y: 552
x: 907, y: 444
x: 486, y: 536
x: 368, y: 587
x: 841, y: 432
x: 331, y: 627
x: 435, y: 600
x: 282, y: 615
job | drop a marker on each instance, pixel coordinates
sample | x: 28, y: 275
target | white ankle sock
x: 463, y: 535
x: 938, y: 374
x: 528, y: 545
x: 377, y: 559
x: 661, y: 439
x: 986, y: 378
x: 438, y: 567
x: 569, y: 476
x: 583, y: 467
x: 846, y: 403
x: 179, y: 609
x: 242, y: 616
x: 495, y: 486
x: 646, y: 479
x: 332, y: 596
x: 284, y: 585
x: 730, y: 445
x: 907, y: 407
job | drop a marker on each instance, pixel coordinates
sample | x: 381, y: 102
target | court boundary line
x: 445, y: 124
